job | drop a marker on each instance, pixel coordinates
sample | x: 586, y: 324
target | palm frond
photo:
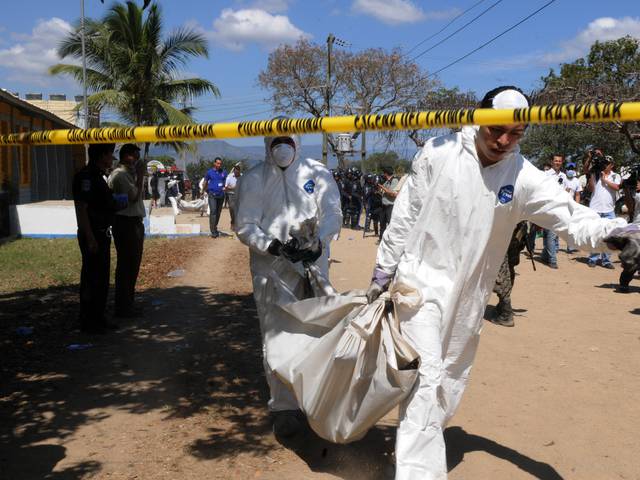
x: 174, y: 115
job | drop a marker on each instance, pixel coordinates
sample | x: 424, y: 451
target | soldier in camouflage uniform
x: 507, y: 275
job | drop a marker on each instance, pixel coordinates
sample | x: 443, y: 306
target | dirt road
x: 180, y: 393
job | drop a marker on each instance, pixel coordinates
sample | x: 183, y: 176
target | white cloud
x: 602, y: 29
x: 392, y: 12
x: 234, y: 29
x: 28, y: 56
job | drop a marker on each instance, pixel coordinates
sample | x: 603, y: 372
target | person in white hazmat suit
x: 450, y: 228
x: 274, y: 196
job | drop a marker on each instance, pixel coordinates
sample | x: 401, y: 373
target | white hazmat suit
x: 450, y: 229
x: 272, y: 200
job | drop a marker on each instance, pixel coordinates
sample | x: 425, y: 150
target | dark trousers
x: 233, y: 205
x: 215, y: 208
x: 385, y: 218
x: 94, y: 281
x: 128, y: 236
x: 626, y: 276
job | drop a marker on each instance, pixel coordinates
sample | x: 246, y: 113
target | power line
x: 458, y: 30
x: 445, y: 27
x: 492, y: 39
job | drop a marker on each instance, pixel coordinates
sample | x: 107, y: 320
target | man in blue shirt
x: 214, y: 182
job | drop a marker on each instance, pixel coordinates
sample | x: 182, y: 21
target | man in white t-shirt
x: 550, y: 239
x: 230, y: 191
x: 603, y: 198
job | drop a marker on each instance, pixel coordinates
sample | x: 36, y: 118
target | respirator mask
x: 283, y: 154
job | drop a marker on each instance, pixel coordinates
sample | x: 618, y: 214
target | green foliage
x: 37, y: 263
x: 132, y: 69
x: 608, y: 73
x: 541, y: 142
x: 374, y: 163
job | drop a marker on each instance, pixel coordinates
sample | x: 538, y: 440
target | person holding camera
x: 128, y: 229
x: 603, y: 184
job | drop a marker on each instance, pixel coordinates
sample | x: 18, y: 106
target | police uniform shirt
x: 123, y: 182
x: 89, y: 186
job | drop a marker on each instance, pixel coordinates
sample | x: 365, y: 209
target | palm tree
x: 132, y: 70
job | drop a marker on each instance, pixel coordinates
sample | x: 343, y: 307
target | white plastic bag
x: 345, y: 360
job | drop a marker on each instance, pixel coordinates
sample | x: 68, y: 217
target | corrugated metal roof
x: 32, y: 109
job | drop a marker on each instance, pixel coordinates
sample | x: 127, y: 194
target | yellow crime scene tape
x: 549, y: 114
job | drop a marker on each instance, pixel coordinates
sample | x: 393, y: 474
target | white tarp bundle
x: 344, y: 359
x: 197, y: 205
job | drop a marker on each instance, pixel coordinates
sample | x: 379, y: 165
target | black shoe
x: 622, y: 289
x: 287, y: 423
x: 504, y: 320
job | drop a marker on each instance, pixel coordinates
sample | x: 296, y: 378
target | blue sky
x: 242, y: 32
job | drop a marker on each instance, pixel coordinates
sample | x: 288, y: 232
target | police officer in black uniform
x: 95, y: 206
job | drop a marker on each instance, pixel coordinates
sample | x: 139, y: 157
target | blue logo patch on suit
x: 310, y: 186
x: 505, y: 195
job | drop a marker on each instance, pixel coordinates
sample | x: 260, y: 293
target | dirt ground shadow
x: 460, y: 443
x: 372, y: 457
x: 191, y: 352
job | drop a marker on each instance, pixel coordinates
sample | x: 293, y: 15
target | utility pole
x: 327, y: 90
x: 85, y: 103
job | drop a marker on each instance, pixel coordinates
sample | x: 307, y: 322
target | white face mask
x: 283, y: 154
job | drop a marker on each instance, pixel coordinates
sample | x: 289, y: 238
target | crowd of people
x: 371, y: 194
x: 443, y: 232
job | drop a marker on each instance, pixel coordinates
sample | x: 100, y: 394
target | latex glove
x: 379, y: 284
x: 310, y: 255
x: 374, y: 291
x: 275, y: 247
x: 292, y: 252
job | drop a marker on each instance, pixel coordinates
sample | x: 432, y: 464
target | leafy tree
x: 608, y: 73
x: 197, y: 170
x: 371, y: 81
x: 541, y: 142
x: 436, y: 98
x: 374, y: 162
x: 132, y: 69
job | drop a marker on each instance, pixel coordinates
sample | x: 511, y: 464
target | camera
x: 598, y: 163
x: 632, y: 180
